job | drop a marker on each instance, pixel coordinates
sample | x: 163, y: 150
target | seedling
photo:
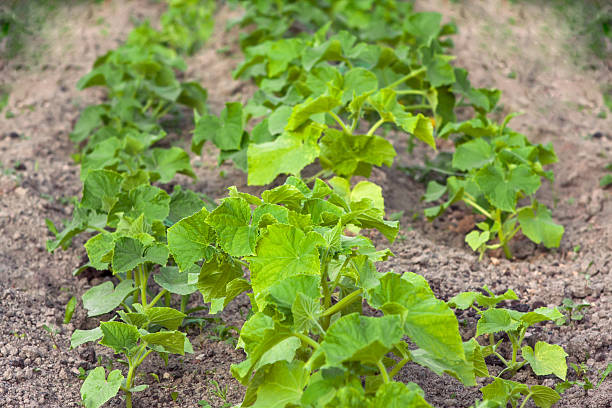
x: 572, y: 311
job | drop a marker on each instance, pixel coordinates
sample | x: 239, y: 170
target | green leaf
x: 258, y: 336
x: 99, y: 250
x: 346, y: 154
x: 97, y: 390
x: 473, y: 155
x: 189, y: 239
x: 165, y: 163
x: 306, y: 311
x: 130, y: 253
x: 475, y: 239
x: 537, y: 224
x: 358, y: 81
x: 605, y: 181
x: 428, y: 321
x: 283, y: 251
x: 101, y: 189
x: 289, y: 153
x: 70, y: 306
x: 544, y: 397
x: 360, y: 338
x: 232, y: 223
x: 302, y: 112
x: 501, y: 189
x: 104, y: 297
x: 183, y: 203
x: 281, y: 384
x: 151, y: 202
x: 84, y: 336
x: 284, y: 293
x: 224, y: 131
x: 495, y: 320
x: 400, y: 395
x: 166, y: 342
x: 174, y: 281
x: 546, y: 359
x: 214, y: 277
x: 166, y: 317
x: 121, y: 337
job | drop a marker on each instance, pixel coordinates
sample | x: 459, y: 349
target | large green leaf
x: 101, y: 189
x: 496, y: 320
x: 360, y: 338
x: 428, y: 321
x: 400, y: 395
x: 232, y: 223
x: 189, y: 239
x: 346, y: 154
x: 289, y: 153
x: 283, y: 251
x: 130, y: 252
x: 281, y: 384
x: 119, y: 336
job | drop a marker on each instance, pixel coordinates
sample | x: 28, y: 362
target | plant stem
x: 344, y: 302
x: 307, y: 340
x: 471, y: 201
x: 143, y: 285
x: 383, y: 371
x: 156, y: 298
x: 411, y: 92
x: 399, y: 366
x: 376, y: 126
x: 525, y: 400
x: 184, y: 302
x: 419, y: 106
x: 340, y: 122
x: 407, y: 77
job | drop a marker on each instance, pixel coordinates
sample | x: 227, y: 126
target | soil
x: 528, y: 50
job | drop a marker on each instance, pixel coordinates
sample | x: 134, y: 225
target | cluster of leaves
x: 512, y: 325
x: 323, y: 94
x: 495, y: 168
x: 311, y: 341
x: 388, y: 22
x: 119, y: 162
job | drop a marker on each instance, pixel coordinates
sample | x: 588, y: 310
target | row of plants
x: 326, y: 328
x: 335, y: 89
x: 122, y: 153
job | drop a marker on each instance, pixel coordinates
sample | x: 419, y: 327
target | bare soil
x: 528, y: 50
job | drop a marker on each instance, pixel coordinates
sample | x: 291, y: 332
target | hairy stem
x: 344, y: 302
x: 383, y: 371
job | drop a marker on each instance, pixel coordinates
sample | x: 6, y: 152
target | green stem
x: 399, y: 366
x: 340, y: 122
x: 344, y: 302
x: 383, y: 371
x: 184, y: 301
x: 376, y: 126
x: 157, y: 298
x: 407, y: 77
x: 195, y: 309
x: 307, y: 340
x: 419, y: 106
x: 411, y: 92
x: 525, y: 400
x: 143, y: 285
x: 469, y: 200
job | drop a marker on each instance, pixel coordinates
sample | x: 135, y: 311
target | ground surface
x: 526, y: 50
